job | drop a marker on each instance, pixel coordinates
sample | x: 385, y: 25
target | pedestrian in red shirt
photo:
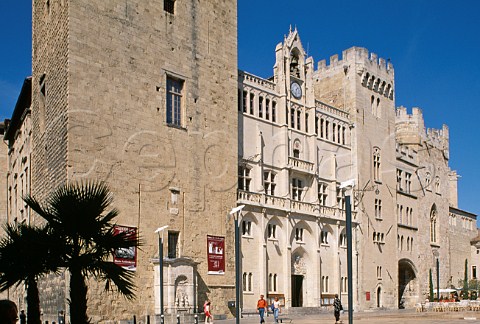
x: 262, y: 308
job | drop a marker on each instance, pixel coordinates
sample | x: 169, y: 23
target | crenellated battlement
x: 402, y: 115
x: 376, y: 73
x: 410, y: 129
x: 439, y: 138
x: 358, y: 55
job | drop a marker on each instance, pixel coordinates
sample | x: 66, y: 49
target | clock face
x: 296, y: 90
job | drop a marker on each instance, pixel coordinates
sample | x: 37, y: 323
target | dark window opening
x: 169, y: 6
x: 172, y: 244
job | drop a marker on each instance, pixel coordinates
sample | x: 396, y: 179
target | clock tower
x: 293, y: 78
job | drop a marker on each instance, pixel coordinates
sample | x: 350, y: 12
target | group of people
x: 262, y: 308
x: 9, y: 313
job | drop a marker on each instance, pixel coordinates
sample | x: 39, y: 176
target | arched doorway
x: 299, y: 276
x: 379, y: 297
x: 407, y: 283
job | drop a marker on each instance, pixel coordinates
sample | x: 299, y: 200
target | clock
x: 296, y: 90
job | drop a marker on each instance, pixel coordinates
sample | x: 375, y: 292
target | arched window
x: 378, y: 112
x: 294, y: 63
x: 437, y: 185
x: 433, y: 224
x: 428, y: 180
x: 247, y: 281
x: 376, y: 164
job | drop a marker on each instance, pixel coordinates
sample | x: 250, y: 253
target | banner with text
x: 216, y: 254
x: 126, y: 257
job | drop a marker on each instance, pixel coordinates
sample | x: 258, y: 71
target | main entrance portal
x: 297, y: 291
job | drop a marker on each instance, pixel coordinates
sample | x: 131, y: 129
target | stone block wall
x: 106, y: 65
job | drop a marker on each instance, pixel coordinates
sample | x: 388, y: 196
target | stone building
x: 304, y: 131
x: 18, y: 136
x: 475, y: 256
x: 15, y: 168
x: 143, y: 95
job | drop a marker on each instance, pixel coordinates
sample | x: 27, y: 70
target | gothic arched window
x: 433, y: 224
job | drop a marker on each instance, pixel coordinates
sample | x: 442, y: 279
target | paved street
x: 387, y: 317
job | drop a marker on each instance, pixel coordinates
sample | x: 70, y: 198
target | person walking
x: 337, y: 307
x: 23, y: 317
x: 206, y: 310
x: 276, y: 309
x: 262, y: 308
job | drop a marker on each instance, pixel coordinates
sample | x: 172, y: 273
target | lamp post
x: 347, y: 186
x: 438, y: 280
x: 236, y: 211
x: 160, y: 231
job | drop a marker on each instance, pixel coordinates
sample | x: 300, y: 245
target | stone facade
x: 142, y: 95
x: 103, y: 77
x: 3, y: 196
x: 303, y: 132
x: 16, y: 166
x: 18, y: 136
x: 475, y: 256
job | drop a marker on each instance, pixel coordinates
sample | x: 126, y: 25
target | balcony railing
x: 250, y: 78
x: 331, y: 110
x: 287, y: 204
x: 301, y: 165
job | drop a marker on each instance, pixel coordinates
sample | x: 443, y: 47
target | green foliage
x: 465, y: 282
x: 473, y: 295
x: 430, y: 285
x: 473, y: 284
x: 26, y: 254
x: 80, y: 220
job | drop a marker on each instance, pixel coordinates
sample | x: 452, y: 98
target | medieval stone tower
x: 142, y: 95
x: 363, y: 85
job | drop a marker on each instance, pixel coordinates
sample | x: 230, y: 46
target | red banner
x: 216, y: 254
x: 126, y: 257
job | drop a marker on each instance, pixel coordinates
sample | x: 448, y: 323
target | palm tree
x: 26, y: 254
x: 77, y: 214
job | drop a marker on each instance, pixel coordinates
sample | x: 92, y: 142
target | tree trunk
x: 78, y: 297
x: 33, y: 302
x: 430, y: 284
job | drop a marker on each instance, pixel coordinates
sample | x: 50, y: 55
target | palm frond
x: 25, y: 255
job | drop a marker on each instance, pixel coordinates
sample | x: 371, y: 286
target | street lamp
x: 236, y: 211
x: 347, y: 186
x: 160, y: 231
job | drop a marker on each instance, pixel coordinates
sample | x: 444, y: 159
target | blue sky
x: 433, y: 45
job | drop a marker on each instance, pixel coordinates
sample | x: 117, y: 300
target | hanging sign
x: 126, y: 257
x: 216, y: 254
